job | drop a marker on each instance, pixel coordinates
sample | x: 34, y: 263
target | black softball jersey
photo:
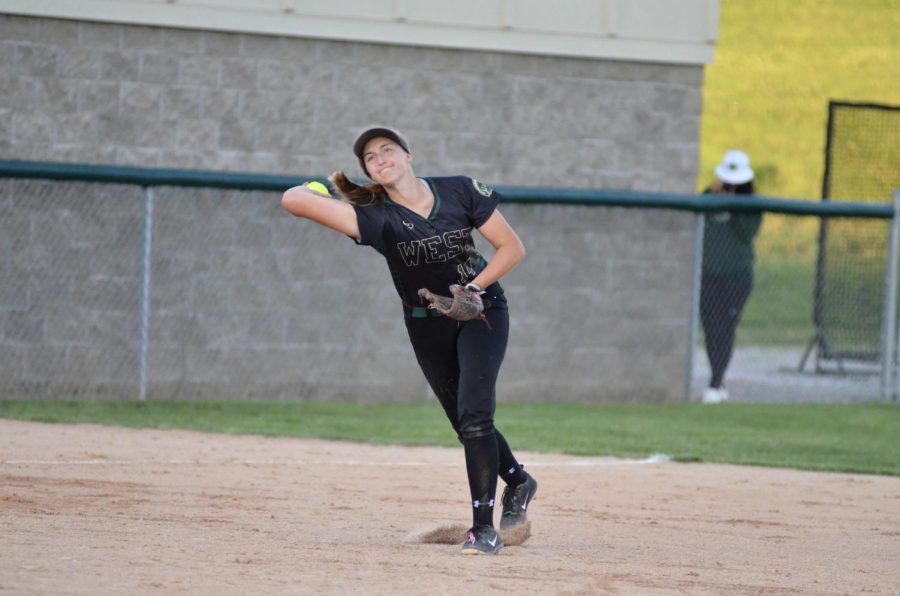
x: 436, y: 251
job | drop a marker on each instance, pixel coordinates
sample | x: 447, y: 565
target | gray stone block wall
x: 247, y: 302
x: 70, y: 275
x: 601, y: 305
x: 115, y: 94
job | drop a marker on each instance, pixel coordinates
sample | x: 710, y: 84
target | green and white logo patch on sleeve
x: 483, y: 189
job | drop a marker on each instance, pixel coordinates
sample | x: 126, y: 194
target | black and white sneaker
x: 515, y: 503
x: 482, y: 540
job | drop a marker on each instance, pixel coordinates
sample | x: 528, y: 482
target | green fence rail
x: 612, y: 198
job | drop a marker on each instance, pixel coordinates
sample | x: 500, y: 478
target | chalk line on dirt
x: 586, y: 463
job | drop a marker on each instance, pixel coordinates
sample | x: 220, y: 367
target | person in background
x: 727, y: 274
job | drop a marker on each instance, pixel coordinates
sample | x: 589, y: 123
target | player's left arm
x: 508, y: 249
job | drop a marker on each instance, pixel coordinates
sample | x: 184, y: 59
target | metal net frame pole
x: 146, y: 265
x: 889, y: 331
x: 695, y: 300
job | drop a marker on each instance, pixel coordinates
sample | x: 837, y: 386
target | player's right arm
x: 325, y: 211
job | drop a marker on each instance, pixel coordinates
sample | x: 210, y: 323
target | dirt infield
x: 94, y: 510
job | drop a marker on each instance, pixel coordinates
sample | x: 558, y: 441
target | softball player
x: 423, y: 228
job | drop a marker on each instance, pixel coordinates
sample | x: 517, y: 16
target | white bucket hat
x: 735, y: 168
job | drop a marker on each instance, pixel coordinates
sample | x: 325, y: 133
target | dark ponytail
x: 356, y: 194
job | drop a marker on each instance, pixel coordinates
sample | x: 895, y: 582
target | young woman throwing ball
x: 423, y: 228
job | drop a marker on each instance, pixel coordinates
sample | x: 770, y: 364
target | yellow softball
x: 319, y: 188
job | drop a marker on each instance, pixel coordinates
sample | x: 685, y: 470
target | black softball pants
x: 461, y: 362
x: 722, y: 300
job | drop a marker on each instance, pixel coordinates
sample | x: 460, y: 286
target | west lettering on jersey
x: 433, y: 252
x: 435, y: 249
x: 455, y: 242
x: 410, y: 252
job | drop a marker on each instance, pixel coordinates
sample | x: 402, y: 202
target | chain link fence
x: 70, y: 297
x: 757, y: 308
x: 861, y: 164
x: 834, y: 272
x: 130, y: 291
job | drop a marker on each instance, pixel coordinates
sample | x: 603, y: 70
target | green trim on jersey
x: 435, y: 207
x: 434, y: 251
x: 437, y: 200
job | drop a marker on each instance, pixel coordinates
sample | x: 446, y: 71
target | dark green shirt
x: 728, y: 242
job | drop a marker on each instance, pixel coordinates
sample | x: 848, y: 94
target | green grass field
x: 789, y: 286
x: 780, y: 309
x: 777, y: 65
x: 859, y: 439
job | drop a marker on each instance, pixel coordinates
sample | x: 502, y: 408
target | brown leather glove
x: 463, y: 304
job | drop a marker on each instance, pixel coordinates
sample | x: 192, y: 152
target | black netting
x: 862, y: 165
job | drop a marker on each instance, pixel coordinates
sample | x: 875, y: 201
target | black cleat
x: 515, y: 503
x: 482, y: 540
